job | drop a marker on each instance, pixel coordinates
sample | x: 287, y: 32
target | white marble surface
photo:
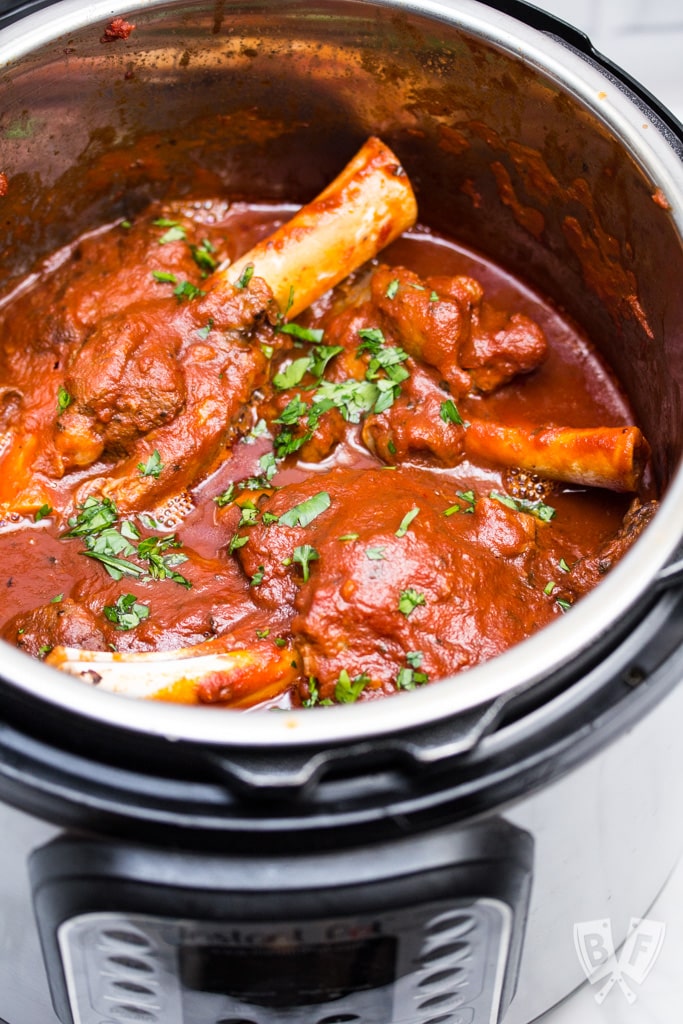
x: 645, y: 38
x: 659, y: 1000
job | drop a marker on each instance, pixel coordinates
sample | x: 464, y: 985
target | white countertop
x: 645, y: 39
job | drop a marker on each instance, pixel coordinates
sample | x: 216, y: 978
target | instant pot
x: 425, y: 859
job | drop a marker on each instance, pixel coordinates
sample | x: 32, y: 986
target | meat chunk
x: 445, y: 322
x: 587, y: 572
x: 381, y: 578
x: 416, y: 426
x: 63, y: 622
x: 123, y: 382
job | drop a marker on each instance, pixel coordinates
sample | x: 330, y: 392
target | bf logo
x: 595, y: 949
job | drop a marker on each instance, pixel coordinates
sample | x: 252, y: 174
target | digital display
x: 291, y: 974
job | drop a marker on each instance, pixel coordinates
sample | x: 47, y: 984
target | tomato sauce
x: 414, y: 557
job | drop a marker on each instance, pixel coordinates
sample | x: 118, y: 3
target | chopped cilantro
x: 205, y: 331
x: 292, y: 374
x: 162, y: 565
x: 64, y: 400
x: 314, y: 334
x: 348, y: 690
x: 406, y: 521
x: 392, y: 288
x: 92, y: 517
x: 304, y: 555
x: 314, y: 695
x: 372, y: 339
x: 245, y: 277
x: 449, y: 412
x: 409, y: 600
x: 375, y: 554
x: 257, y: 578
x: 127, y: 612
x: 185, y: 290
x: 164, y: 277
x: 153, y: 466
x: 322, y: 354
x: 469, y: 500
x: 43, y: 512
x: 203, y: 257
x: 306, y: 511
x: 175, y: 233
x: 225, y: 497
x: 535, y: 508
x: 237, y: 542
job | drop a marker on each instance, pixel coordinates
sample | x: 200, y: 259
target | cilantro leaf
x: 304, y: 555
x: 409, y: 600
x: 292, y: 374
x: 306, y: 511
x: 64, y: 400
x: 406, y: 521
x: 535, y: 508
x: 314, y: 334
x: 153, y: 466
x: 348, y: 690
x: 127, y: 612
x: 449, y: 412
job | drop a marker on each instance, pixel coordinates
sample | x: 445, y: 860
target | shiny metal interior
x: 517, y: 144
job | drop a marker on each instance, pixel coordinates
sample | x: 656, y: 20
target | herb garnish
x: 127, y: 612
x: 245, y: 277
x: 314, y: 695
x: 314, y: 334
x: 408, y: 676
x: 304, y: 555
x: 348, y: 690
x: 175, y: 233
x: 468, y: 497
x: 153, y: 466
x: 449, y: 412
x: 406, y: 521
x: 306, y: 511
x: 111, y: 543
x: 409, y: 600
x: 226, y: 497
x: 203, y: 257
x: 64, y: 400
x: 43, y: 512
x: 535, y: 508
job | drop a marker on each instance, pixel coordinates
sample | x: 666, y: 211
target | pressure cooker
x: 429, y: 858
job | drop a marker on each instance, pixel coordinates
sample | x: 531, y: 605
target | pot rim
x: 653, y: 146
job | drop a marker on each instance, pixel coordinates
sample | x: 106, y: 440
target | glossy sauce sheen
x: 342, y: 632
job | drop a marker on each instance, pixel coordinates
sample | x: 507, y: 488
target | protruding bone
x: 214, y: 672
x: 610, y: 457
x: 367, y: 206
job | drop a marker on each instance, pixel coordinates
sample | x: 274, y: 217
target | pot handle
x: 294, y: 774
x: 670, y: 576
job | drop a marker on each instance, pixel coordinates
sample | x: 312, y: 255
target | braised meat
x: 243, y: 462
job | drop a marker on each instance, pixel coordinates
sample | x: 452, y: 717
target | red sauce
x: 370, y: 596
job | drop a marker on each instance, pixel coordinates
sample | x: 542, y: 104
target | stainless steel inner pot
x: 519, y: 144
